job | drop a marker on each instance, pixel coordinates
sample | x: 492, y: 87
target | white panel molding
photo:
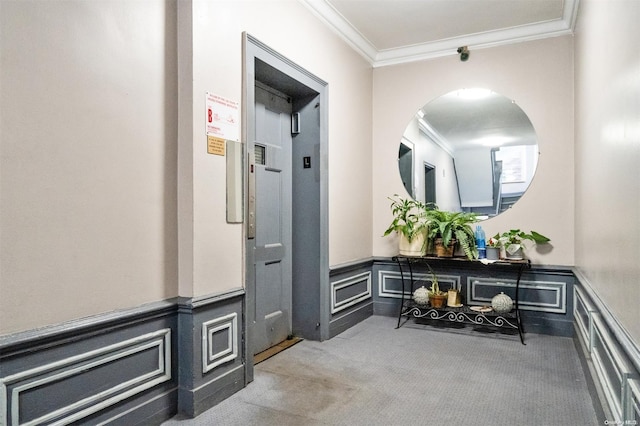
x: 210, y: 358
x: 610, y: 345
x: 559, y: 289
x: 79, y: 364
x: 384, y: 290
x: 337, y: 306
x: 617, y: 331
x: 582, y: 303
x: 633, y: 401
x: 610, y: 354
x: 385, y: 277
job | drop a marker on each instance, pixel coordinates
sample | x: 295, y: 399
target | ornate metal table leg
x: 518, y: 321
x: 397, y: 259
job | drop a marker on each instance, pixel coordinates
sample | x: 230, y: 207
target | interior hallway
x: 373, y: 374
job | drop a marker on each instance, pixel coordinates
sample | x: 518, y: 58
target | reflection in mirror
x: 469, y: 150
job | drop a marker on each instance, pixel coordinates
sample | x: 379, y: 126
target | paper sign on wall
x: 222, y: 122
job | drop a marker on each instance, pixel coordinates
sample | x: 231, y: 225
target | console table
x: 464, y: 314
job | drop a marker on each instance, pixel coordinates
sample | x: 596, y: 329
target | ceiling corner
x: 332, y: 18
x: 433, y: 49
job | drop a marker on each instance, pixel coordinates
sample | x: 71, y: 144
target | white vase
x: 415, y: 247
x: 502, y: 303
x: 421, y: 296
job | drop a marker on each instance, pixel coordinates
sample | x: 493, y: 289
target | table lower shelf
x: 463, y: 315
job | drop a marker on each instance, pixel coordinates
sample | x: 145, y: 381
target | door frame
x: 253, y: 49
x: 430, y: 182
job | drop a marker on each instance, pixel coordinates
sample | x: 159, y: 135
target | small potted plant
x: 513, y: 240
x: 409, y: 222
x: 493, y: 249
x: 449, y: 228
x: 437, y: 297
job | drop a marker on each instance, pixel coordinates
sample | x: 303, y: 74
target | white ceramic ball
x: 421, y: 296
x: 501, y: 303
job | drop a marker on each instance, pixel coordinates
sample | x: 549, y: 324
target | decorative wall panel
x: 390, y: 283
x: 543, y: 296
x: 612, y: 368
x: 72, y: 388
x: 350, y: 291
x: 633, y: 402
x: 219, y: 342
x: 351, y: 296
x: 611, y: 357
x: 583, y: 312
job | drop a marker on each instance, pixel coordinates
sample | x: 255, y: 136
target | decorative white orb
x: 501, y: 303
x: 421, y: 296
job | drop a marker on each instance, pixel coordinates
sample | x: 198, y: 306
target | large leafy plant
x: 409, y: 217
x: 453, y: 225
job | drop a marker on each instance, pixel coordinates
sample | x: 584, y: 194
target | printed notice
x: 222, y: 117
x: 215, y: 145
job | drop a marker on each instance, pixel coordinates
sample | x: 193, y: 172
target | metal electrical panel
x: 251, y: 220
x: 234, y: 182
x: 295, y: 123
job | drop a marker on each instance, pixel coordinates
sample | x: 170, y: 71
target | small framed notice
x: 222, y: 122
x: 215, y: 145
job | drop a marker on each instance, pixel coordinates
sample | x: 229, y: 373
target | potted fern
x: 409, y: 222
x: 449, y: 228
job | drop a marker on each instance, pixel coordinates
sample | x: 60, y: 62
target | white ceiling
x: 390, y: 32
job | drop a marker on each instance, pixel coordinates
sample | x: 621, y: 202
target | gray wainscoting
x: 351, y: 295
x: 137, y: 366
x: 116, y: 368
x: 141, y: 366
x: 610, y: 357
x: 212, y: 364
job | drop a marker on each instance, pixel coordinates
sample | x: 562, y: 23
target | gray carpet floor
x: 373, y: 374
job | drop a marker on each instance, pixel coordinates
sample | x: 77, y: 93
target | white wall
x: 292, y: 30
x: 88, y: 120
x: 608, y: 154
x: 538, y: 75
x: 90, y: 116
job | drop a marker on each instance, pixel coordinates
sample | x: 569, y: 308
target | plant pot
x: 437, y: 300
x: 442, y: 251
x: 516, y: 255
x: 493, y: 253
x: 415, y: 247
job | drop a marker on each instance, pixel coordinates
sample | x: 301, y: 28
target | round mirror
x: 469, y: 150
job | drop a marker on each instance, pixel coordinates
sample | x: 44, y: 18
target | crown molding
x: 554, y: 28
x: 332, y: 18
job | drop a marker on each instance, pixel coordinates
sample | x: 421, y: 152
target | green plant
x: 453, y: 225
x: 409, y: 217
x: 435, y: 290
x: 493, y: 242
x: 435, y: 287
x: 513, y: 239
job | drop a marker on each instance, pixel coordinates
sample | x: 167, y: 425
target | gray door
x: 272, y: 249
